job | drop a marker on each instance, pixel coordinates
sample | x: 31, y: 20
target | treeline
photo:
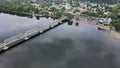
x: 103, y: 1
x: 18, y: 7
x: 115, y: 18
x: 60, y: 13
x: 106, y: 1
x: 60, y: 1
x: 14, y: 1
x: 27, y: 8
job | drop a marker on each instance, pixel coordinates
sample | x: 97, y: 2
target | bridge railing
x: 13, y: 38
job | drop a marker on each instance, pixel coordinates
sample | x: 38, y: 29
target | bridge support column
x: 26, y: 38
x: 60, y: 22
x: 4, y: 47
x: 41, y: 31
x: 51, y: 26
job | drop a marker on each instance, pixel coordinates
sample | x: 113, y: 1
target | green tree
x: 69, y: 15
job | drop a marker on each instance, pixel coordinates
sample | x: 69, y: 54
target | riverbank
x: 16, y: 12
x: 102, y: 28
x: 30, y: 15
x: 113, y: 34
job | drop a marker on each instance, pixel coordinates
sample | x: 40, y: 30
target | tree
x: 70, y: 16
x: 116, y: 24
x: 76, y: 10
x: 77, y: 18
x: 60, y: 13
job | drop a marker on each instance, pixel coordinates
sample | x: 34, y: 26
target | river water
x: 69, y: 45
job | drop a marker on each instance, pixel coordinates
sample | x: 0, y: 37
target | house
x: 35, y: 4
x: 107, y: 13
x: 105, y: 21
x: 93, y: 4
x: 83, y: 5
x: 67, y: 6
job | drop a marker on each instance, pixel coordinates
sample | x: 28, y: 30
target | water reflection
x: 64, y: 47
x: 71, y: 45
x: 17, y: 24
x: 77, y: 24
x: 70, y: 23
x: 37, y: 17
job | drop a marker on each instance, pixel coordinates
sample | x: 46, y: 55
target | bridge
x: 6, y: 44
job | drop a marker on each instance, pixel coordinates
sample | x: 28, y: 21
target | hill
x: 96, y: 1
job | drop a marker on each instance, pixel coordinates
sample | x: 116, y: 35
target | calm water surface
x: 66, y: 46
x: 11, y: 25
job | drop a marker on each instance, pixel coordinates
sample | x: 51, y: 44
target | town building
x: 105, y: 21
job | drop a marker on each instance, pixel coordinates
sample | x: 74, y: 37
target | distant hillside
x: 97, y: 1
x: 105, y: 1
x: 13, y: 0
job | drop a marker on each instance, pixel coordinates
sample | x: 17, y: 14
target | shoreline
x: 16, y: 12
x: 102, y: 28
x: 23, y: 13
x: 113, y: 34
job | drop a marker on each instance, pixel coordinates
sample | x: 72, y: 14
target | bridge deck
x: 25, y: 36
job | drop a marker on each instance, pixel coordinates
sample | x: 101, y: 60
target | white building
x: 105, y: 21
x: 93, y: 4
x: 67, y: 6
x: 106, y: 13
x: 83, y: 5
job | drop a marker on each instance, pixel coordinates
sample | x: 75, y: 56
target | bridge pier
x: 26, y: 38
x: 4, y: 47
x: 60, y: 22
x: 41, y: 31
x: 51, y: 26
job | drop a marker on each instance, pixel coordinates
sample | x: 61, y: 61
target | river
x: 69, y: 45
